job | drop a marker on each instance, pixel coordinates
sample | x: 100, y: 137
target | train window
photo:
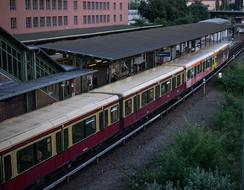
x: 147, y: 97
x: 7, y: 168
x: 195, y: 71
x: 128, y: 107
x: 174, y: 83
x: 114, y: 114
x: 136, y: 103
x: 78, y: 132
x: 61, y: 146
x: 165, y: 87
x: 189, y: 74
x: 33, y: 154
x: 83, y: 129
x: 178, y: 80
x: 157, y: 92
x: 90, y: 126
x: 204, y: 65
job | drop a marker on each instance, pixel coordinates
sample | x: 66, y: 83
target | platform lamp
x: 220, y: 75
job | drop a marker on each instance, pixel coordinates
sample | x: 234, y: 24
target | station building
x: 30, y: 79
x: 29, y: 16
x: 117, y: 56
x: 34, y: 76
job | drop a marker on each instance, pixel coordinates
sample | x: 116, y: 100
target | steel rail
x: 123, y: 139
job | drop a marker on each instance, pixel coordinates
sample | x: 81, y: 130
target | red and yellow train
x: 36, y: 144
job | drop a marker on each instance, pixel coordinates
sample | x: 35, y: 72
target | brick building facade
x: 28, y: 16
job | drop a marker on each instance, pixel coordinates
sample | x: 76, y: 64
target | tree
x: 199, y: 11
x: 171, y: 12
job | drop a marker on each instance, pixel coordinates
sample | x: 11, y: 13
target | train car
x: 145, y: 92
x: 35, y: 144
x: 199, y: 64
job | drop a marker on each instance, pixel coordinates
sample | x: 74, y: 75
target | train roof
x: 18, y: 129
x: 192, y: 58
x: 140, y: 81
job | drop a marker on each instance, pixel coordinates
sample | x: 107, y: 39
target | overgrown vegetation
x: 202, y: 157
x: 168, y: 12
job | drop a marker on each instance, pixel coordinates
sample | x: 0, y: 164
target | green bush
x: 197, y: 178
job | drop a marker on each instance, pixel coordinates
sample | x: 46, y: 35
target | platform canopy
x: 12, y: 89
x: 122, y: 45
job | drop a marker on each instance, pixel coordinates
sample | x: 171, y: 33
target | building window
x: 60, y: 4
x: 84, y: 19
x: 48, y: 21
x: 35, y: 22
x: 27, y: 4
x: 84, y: 5
x: 12, y: 4
x: 89, y: 5
x: 54, y: 21
x: 28, y: 22
x: 54, y: 4
x: 13, y: 23
x: 42, y: 21
x: 97, y: 19
x: 101, y: 5
x: 93, y: 19
x: 108, y: 6
x: 120, y: 6
x: 97, y: 5
x: 104, y: 6
x: 75, y: 5
x: 60, y: 21
x: 120, y: 18
x: 115, y: 18
x: 104, y: 18
x: 65, y: 20
x: 108, y: 18
x: 93, y: 5
x: 89, y: 19
x: 75, y: 20
x: 114, y: 6
x: 41, y: 4
x: 48, y: 4
x: 65, y: 4
x: 101, y: 18
x: 35, y: 4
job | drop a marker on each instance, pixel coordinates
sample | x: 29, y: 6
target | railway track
x: 235, y: 51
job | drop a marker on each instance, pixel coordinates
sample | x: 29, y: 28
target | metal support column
x: 34, y: 65
x: 109, y: 73
x: 24, y: 68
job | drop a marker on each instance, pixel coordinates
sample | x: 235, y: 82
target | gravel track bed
x: 109, y: 174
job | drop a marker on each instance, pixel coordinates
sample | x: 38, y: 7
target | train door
x: 103, y: 119
x: 189, y: 77
x: 7, y: 168
x: 214, y: 62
